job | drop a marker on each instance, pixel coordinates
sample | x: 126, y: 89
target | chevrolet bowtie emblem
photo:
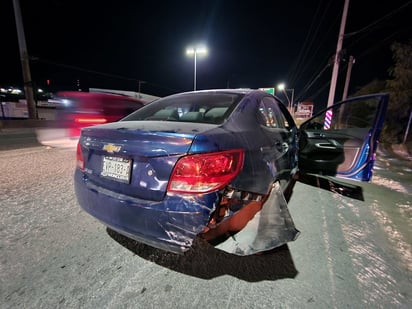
x: 110, y: 148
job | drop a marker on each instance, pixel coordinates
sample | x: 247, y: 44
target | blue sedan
x: 221, y: 165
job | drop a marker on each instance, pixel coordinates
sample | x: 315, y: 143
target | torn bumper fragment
x: 259, y: 226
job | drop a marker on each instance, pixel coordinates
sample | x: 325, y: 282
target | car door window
x: 346, y: 116
x: 270, y: 115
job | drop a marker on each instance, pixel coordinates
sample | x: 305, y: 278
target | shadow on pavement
x: 205, y: 262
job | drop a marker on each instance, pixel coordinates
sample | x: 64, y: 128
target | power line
x: 306, y: 47
x: 362, y: 32
x: 76, y: 68
x: 376, y: 22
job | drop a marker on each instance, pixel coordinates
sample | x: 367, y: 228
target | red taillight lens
x: 89, y: 120
x: 83, y: 120
x: 201, y: 173
x: 79, y: 157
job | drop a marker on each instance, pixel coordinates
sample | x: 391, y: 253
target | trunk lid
x: 136, y: 158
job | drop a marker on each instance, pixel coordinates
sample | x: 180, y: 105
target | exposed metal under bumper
x: 271, y: 227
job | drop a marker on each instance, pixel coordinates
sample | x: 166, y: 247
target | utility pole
x: 348, y: 75
x: 24, y: 57
x: 335, y: 71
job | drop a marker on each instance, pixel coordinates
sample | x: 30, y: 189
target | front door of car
x: 341, y: 141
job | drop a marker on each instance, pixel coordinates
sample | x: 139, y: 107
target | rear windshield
x: 199, y: 107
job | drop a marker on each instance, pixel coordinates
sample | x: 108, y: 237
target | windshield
x: 207, y: 107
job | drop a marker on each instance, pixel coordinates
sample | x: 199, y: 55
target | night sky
x: 114, y: 44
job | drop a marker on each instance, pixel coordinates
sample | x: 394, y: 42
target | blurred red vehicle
x: 76, y: 110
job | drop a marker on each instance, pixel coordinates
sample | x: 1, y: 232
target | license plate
x: 116, y: 168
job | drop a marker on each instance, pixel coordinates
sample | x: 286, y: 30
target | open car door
x: 341, y: 141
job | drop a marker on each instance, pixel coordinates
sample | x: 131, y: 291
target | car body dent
x: 176, y: 219
x: 261, y: 225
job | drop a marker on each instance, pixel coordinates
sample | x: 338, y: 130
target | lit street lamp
x: 195, y: 51
x: 282, y: 87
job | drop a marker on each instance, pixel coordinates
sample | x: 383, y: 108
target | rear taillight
x: 201, y: 173
x: 90, y: 120
x: 79, y: 158
x: 84, y: 120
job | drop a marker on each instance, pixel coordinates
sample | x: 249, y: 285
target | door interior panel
x: 331, y: 152
x: 341, y: 140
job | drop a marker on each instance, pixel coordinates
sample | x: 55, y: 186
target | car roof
x: 234, y: 90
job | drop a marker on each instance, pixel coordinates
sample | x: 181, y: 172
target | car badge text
x: 110, y: 148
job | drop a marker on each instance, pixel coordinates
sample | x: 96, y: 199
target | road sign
x: 268, y: 90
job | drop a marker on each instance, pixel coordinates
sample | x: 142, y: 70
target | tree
x: 400, y: 89
x: 375, y: 86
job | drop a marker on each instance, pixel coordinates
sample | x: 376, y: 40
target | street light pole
x: 282, y: 87
x: 194, y: 52
x: 194, y: 78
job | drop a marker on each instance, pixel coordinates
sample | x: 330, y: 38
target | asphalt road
x: 350, y: 254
